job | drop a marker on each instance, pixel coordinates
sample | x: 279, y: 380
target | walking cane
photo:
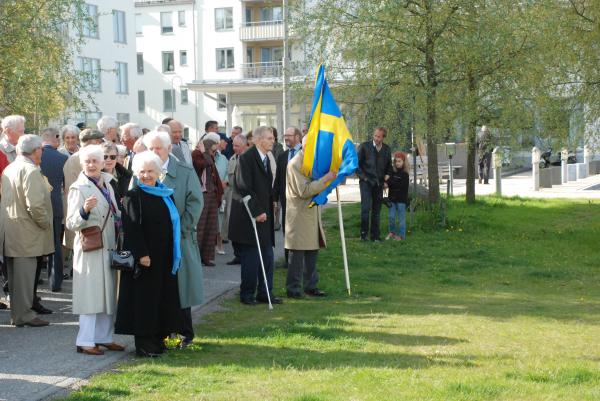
x: 246, y: 199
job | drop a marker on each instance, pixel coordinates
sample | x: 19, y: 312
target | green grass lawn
x: 504, y: 304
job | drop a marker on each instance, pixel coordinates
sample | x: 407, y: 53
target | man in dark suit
x: 254, y: 177
x: 52, y: 167
x: 293, y: 142
x: 374, y: 162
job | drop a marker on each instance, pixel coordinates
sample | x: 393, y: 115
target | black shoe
x: 3, y: 306
x: 315, y: 292
x: 66, y: 276
x: 56, y: 290
x: 294, y: 295
x: 147, y: 354
x: 274, y: 300
x: 248, y: 302
x: 185, y: 343
x: 234, y: 261
x: 225, y: 241
x: 40, y: 309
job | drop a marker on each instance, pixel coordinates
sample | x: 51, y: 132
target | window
x: 119, y: 26
x: 184, y: 96
x: 248, y: 16
x: 183, y: 57
x: 138, y: 24
x: 168, y: 100
x: 122, y: 85
x: 168, y: 62
x: 271, y: 14
x: 249, y: 55
x: 90, y: 21
x: 225, y: 59
x: 186, y: 132
x: 222, y: 101
x: 166, y: 25
x: 123, y: 118
x: 223, y: 18
x: 140, y: 63
x: 141, y: 101
x: 271, y: 54
x: 181, y: 18
x: 90, y: 68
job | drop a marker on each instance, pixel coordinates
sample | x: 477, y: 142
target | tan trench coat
x: 26, y: 212
x: 303, y: 226
x: 71, y: 171
x: 94, y: 281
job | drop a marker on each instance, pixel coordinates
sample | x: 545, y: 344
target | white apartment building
x: 242, y: 61
x: 167, y: 37
x: 108, y: 59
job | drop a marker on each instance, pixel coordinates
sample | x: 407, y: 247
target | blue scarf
x: 165, y: 192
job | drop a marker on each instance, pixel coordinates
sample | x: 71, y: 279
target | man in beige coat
x: 26, y: 216
x: 304, y: 233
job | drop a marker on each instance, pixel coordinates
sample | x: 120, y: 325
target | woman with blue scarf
x: 149, y: 305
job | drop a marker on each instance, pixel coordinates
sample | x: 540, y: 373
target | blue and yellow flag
x: 329, y: 144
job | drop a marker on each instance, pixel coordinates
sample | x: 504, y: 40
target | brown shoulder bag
x: 91, y: 237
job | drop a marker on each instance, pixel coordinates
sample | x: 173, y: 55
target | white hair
x: 105, y: 123
x: 91, y: 151
x: 152, y: 135
x: 28, y: 144
x: 260, y: 131
x: 141, y: 159
x: 121, y: 150
x: 164, y: 128
x: 69, y: 129
x: 12, y: 121
x: 135, y: 131
x: 211, y: 136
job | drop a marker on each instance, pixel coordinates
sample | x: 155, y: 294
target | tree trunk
x: 430, y: 119
x: 471, y: 141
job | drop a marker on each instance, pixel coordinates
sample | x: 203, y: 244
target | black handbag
x: 385, y: 199
x: 120, y: 259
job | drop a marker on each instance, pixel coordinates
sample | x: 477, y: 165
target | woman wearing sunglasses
x: 121, y: 176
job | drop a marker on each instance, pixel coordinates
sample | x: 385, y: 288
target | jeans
x: 397, y: 211
x: 370, y: 204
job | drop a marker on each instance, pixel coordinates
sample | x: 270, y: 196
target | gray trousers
x: 302, y: 265
x: 21, y: 280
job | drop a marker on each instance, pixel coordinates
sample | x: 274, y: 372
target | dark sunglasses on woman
x: 111, y: 157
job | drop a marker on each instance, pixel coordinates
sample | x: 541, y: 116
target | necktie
x: 178, y: 152
x: 292, y: 152
x: 266, y: 163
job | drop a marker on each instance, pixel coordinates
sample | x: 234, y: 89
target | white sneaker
x: 221, y: 252
x: 389, y: 236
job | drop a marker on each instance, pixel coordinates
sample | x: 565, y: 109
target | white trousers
x: 95, y: 329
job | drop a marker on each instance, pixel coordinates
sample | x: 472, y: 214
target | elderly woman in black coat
x: 149, y: 305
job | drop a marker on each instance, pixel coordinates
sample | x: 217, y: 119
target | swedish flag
x: 329, y: 144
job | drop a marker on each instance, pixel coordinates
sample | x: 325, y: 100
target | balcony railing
x: 271, y: 69
x: 274, y: 69
x: 262, y: 30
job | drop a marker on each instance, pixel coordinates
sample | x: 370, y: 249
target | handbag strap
x: 106, y: 219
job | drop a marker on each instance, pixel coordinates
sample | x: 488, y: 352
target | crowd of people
x: 71, y: 197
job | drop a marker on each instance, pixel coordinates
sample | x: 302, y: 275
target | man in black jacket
x: 254, y: 177
x: 374, y: 161
x: 293, y: 141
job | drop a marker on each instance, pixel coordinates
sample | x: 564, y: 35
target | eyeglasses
x: 111, y: 157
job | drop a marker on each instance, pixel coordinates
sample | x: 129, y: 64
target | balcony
x: 262, y: 30
x: 271, y: 69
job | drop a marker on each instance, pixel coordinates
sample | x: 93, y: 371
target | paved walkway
x: 515, y: 185
x: 39, y: 363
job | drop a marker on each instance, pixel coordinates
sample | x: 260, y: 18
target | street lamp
x: 450, y: 152
x: 173, y: 97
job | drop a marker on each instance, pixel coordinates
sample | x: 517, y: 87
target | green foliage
x: 37, y: 77
x: 492, y: 308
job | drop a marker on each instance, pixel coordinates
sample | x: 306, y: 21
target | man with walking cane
x: 254, y: 177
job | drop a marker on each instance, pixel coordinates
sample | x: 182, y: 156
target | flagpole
x: 343, y: 236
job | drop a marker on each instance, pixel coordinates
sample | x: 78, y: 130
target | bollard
x: 536, y: 156
x: 497, y: 162
x: 564, y: 168
x: 587, y: 153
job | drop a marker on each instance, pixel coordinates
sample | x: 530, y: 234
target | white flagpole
x: 339, y: 203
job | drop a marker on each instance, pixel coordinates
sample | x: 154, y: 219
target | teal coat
x: 189, y: 201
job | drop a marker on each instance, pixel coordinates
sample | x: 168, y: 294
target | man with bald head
x: 180, y: 147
